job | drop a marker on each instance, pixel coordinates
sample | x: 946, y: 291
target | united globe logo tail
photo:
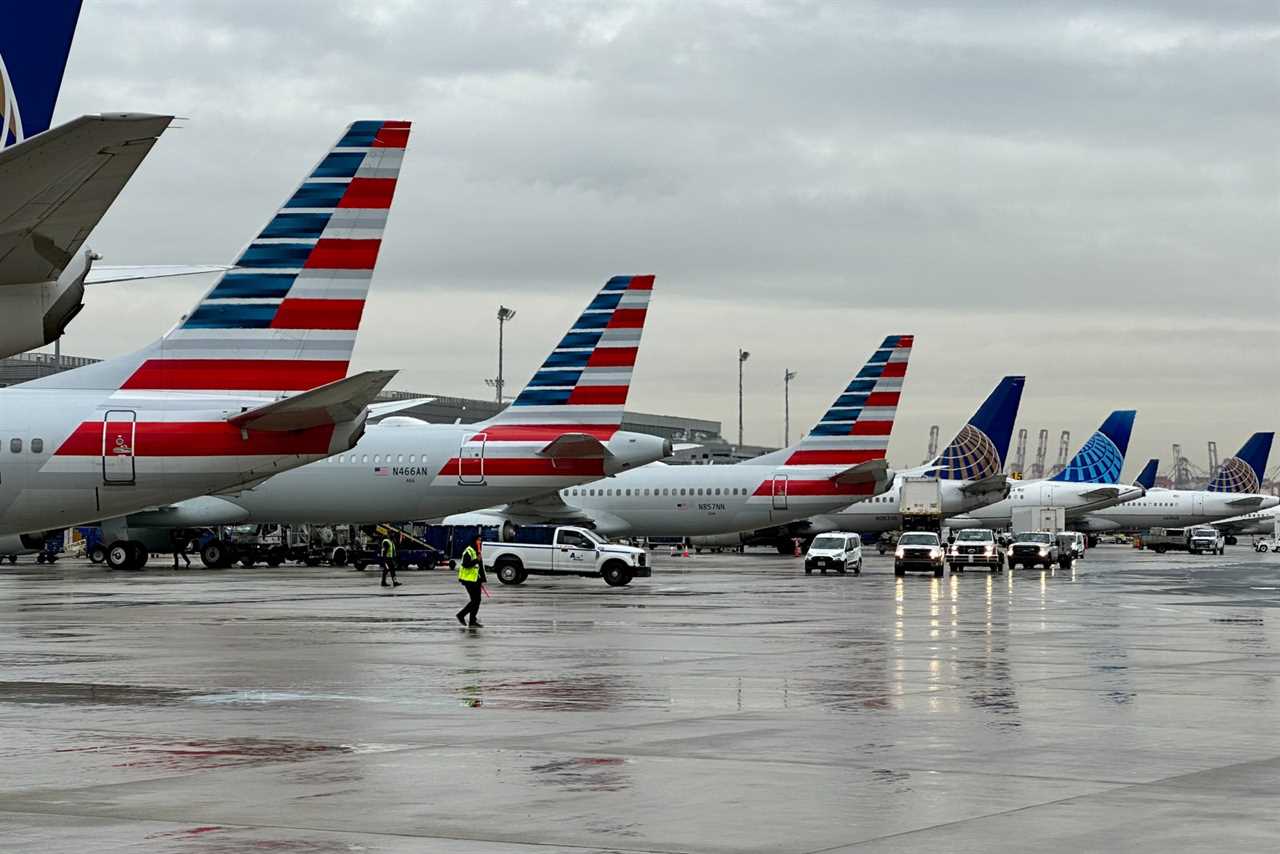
x: 1245, y: 471
x: 1101, y: 459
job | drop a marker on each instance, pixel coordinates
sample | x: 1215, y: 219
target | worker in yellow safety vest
x: 471, y: 576
x: 390, y: 555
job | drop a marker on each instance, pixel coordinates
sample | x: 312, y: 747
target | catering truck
x: 567, y: 550
x: 920, y: 504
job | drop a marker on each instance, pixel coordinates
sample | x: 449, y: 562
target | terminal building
x: 698, y: 440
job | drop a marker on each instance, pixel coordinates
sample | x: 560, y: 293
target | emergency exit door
x: 119, y: 446
x: 780, y: 492
x: 471, y: 459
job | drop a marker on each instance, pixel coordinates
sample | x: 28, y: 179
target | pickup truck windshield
x: 1035, y: 537
x: 1212, y: 533
x: 917, y: 539
x: 975, y: 536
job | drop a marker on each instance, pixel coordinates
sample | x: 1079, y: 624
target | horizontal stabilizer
x: 871, y: 471
x: 1101, y: 493
x: 58, y: 184
x: 105, y: 275
x: 335, y: 403
x: 390, y: 407
x: 575, y: 446
x: 995, y: 483
x: 1248, y: 501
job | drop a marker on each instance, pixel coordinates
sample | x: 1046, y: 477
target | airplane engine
x: 632, y: 450
x: 37, y: 313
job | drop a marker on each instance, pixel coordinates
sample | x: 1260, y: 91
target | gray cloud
x: 1086, y: 194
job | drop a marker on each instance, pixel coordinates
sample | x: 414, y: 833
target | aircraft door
x: 471, y: 459
x: 119, y: 446
x: 1046, y: 494
x: 780, y: 492
x: 1197, y: 505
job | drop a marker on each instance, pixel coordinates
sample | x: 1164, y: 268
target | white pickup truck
x: 548, y: 550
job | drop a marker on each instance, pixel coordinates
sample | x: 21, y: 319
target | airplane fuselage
x: 1175, y: 508
x: 879, y: 514
x: 1076, y: 499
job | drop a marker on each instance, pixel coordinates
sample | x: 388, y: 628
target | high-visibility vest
x: 388, y: 548
x: 473, y: 573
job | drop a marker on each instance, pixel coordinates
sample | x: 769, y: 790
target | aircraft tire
x: 120, y: 555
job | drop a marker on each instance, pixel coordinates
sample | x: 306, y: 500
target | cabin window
x: 364, y: 458
x: 37, y: 446
x: 15, y: 446
x: 399, y: 458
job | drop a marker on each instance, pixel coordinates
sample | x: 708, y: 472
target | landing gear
x: 126, y: 554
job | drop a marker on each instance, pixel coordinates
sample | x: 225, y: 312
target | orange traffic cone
x: 796, y: 551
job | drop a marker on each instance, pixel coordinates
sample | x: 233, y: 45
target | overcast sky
x: 1085, y: 192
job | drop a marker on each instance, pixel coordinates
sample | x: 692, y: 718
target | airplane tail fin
x: 284, y: 318
x: 1245, y: 471
x: 582, y: 386
x: 35, y: 41
x: 1147, y: 477
x: 857, y: 426
x: 978, y: 451
x: 1101, y: 458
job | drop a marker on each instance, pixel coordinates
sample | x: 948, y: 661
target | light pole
x: 787, y: 376
x: 504, y: 314
x: 743, y: 355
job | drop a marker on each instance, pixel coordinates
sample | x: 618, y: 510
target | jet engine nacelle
x: 37, y: 313
x: 632, y: 450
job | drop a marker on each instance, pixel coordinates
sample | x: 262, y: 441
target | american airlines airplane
x: 562, y: 430
x: 56, y: 185
x: 841, y: 458
x: 1089, y: 482
x: 970, y: 470
x: 1234, y: 490
x: 250, y: 384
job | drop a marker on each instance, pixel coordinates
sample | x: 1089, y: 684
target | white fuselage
x: 880, y: 513
x: 72, y: 457
x: 1261, y: 522
x: 1075, y: 498
x: 404, y: 469
x: 665, y: 500
x: 1175, y: 508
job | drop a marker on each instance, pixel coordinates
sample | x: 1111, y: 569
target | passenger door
x: 574, y: 552
x: 471, y: 459
x: 780, y: 492
x: 119, y: 446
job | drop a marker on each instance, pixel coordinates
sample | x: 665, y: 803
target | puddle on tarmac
x: 584, y: 774
x: 66, y: 693
x: 202, y: 754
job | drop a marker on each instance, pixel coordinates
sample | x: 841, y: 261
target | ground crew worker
x: 389, y: 560
x: 471, y: 576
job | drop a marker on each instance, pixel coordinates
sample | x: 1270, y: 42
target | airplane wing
x: 334, y: 403
x: 58, y: 184
x: 871, y: 471
x: 1248, y: 501
x: 575, y: 446
x: 105, y: 275
x: 994, y: 483
x: 1101, y: 493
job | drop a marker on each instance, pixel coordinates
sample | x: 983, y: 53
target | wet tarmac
x: 728, y: 704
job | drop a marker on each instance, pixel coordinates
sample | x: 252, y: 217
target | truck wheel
x: 339, y: 557
x: 857, y: 567
x: 97, y: 553
x: 1231, y: 541
x: 511, y: 572
x: 1158, y: 549
x: 808, y: 570
x: 937, y: 573
x: 213, y: 553
x: 616, y: 574
x: 309, y: 560
x: 899, y: 571
x: 360, y: 563
x: 247, y: 562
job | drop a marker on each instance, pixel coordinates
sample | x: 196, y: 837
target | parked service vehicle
x: 1072, y: 543
x: 975, y: 547
x: 1161, y: 540
x: 837, y: 550
x: 1036, y: 548
x: 551, y: 550
x: 919, y: 551
x: 1206, y: 539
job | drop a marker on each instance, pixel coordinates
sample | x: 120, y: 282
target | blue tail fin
x: 35, y: 39
x: 1147, y: 477
x: 1101, y: 458
x: 980, y: 448
x: 1244, y: 471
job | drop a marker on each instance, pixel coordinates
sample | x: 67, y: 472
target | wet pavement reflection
x: 730, y: 703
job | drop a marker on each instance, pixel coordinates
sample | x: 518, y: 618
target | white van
x: 838, y: 550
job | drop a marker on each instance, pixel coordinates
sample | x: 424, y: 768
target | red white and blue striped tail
x: 583, y: 384
x: 857, y: 426
x: 285, y: 317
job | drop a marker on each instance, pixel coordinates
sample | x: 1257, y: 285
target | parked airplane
x: 1259, y: 522
x: 840, y: 458
x: 248, y: 385
x: 970, y: 471
x: 1090, y: 481
x: 563, y: 429
x: 1234, y: 490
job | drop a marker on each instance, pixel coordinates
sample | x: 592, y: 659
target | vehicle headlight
x: 935, y: 551
x: 899, y: 552
x: 988, y: 549
x: 1044, y: 550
